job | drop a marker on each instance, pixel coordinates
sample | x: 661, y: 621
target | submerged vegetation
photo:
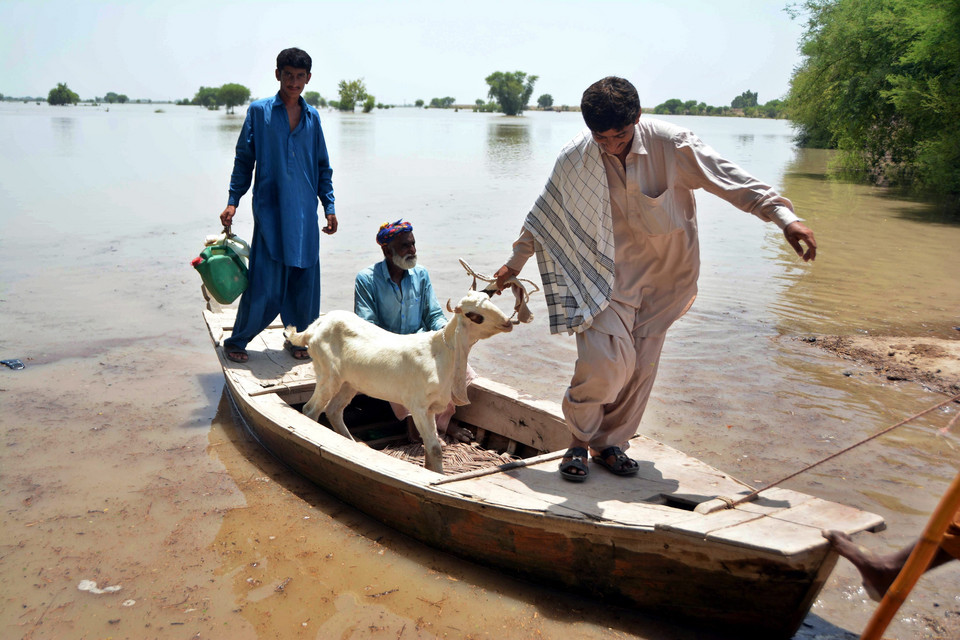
x: 880, y: 82
x: 511, y: 90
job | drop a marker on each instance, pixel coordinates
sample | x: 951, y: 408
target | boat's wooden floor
x: 662, y: 495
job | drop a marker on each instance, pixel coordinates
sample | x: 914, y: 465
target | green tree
x: 111, y: 97
x: 511, y: 91
x: 772, y: 109
x: 545, y: 101
x: 880, y: 81
x: 442, y: 103
x: 672, y: 106
x: 208, y: 97
x: 232, y: 95
x: 351, y: 93
x: 744, y: 100
x: 369, y: 104
x: 62, y: 95
x: 418, y: 103
x: 314, y: 99
x: 122, y: 98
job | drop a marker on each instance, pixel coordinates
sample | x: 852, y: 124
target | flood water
x: 123, y: 463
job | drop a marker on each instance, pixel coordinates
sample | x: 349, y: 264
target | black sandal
x: 298, y: 353
x: 622, y: 465
x: 576, y: 457
x: 236, y: 355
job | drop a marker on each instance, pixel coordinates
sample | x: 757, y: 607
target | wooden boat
x: 754, y: 569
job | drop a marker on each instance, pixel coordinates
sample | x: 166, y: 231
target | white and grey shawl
x: 572, y: 224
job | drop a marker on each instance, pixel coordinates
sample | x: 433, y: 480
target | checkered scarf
x: 573, y: 227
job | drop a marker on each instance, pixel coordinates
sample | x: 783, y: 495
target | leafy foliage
x: 207, y: 97
x: 62, y: 95
x: 314, y: 99
x: 232, y: 95
x: 369, y: 104
x: 744, y: 100
x: 112, y: 97
x: 511, y: 91
x: 545, y: 101
x: 880, y: 81
x: 442, y: 103
x: 351, y: 92
x: 772, y: 109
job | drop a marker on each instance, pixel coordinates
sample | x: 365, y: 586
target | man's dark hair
x: 293, y: 57
x: 611, y: 103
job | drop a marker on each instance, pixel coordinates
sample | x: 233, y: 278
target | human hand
x: 331, y: 227
x: 226, y: 218
x: 797, y: 232
x: 503, y: 274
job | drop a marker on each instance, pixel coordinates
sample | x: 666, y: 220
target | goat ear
x: 474, y: 317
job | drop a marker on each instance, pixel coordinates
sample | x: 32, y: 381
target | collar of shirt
x: 304, y: 112
x: 383, y: 272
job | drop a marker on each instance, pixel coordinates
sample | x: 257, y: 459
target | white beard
x: 404, y: 263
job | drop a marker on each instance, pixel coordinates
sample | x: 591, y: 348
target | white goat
x: 421, y: 371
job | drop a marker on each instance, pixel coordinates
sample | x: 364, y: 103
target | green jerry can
x: 222, y: 267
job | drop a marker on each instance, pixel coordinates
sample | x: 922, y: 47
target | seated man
x: 395, y: 294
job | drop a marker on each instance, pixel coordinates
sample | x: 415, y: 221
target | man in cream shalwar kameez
x: 615, y: 234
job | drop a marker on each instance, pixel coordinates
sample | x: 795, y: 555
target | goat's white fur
x: 421, y: 371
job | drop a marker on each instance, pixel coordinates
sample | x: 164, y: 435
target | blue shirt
x: 408, y: 308
x: 292, y: 171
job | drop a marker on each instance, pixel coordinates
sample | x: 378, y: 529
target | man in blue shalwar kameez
x: 282, y: 142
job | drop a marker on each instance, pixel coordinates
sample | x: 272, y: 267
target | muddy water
x: 124, y: 464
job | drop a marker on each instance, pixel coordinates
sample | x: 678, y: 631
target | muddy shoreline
x: 931, y: 362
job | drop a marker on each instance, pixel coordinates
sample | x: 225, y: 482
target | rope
x: 753, y: 495
x: 523, y: 297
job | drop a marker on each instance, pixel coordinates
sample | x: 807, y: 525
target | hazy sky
x: 707, y: 50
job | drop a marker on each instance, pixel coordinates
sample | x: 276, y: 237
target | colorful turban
x: 390, y: 230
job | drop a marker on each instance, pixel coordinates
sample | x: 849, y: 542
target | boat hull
x: 755, y: 595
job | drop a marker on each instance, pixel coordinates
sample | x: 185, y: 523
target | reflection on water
x: 885, y: 266
x: 508, y: 144
x: 64, y: 129
x: 228, y: 129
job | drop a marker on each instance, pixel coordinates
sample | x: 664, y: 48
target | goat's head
x: 484, y: 317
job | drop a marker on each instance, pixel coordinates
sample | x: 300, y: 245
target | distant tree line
x: 880, y: 82
x: 229, y: 95
x: 112, y: 97
x: 745, y: 104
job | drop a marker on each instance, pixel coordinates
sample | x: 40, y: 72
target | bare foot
x: 877, y: 572
x: 458, y: 433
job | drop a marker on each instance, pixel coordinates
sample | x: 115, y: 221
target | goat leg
x: 433, y: 452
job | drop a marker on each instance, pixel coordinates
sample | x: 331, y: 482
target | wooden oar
x: 916, y: 564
